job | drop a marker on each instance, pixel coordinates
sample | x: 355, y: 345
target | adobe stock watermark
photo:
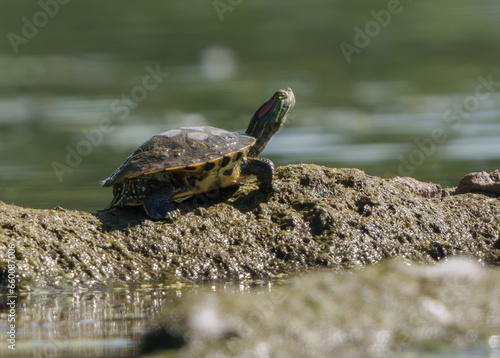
x: 12, y: 277
x: 363, y: 36
x: 223, y: 6
x: 121, y: 109
x: 30, y: 26
x: 452, y: 118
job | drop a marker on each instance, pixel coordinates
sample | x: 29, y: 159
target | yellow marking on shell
x: 193, y: 168
x: 132, y: 204
x: 213, y: 179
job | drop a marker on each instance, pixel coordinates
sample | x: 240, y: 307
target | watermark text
x: 121, y: 109
x: 31, y: 26
x: 11, y: 297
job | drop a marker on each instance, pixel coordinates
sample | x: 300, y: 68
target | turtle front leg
x: 158, y: 205
x: 263, y: 169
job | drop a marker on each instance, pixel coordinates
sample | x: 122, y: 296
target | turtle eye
x: 281, y: 95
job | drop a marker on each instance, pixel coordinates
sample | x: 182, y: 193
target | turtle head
x: 269, y: 118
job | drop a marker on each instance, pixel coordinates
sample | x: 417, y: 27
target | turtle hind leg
x: 263, y: 169
x: 158, y: 205
x: 119, y: 199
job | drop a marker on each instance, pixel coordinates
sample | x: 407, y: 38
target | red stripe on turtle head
x: 266, y: 107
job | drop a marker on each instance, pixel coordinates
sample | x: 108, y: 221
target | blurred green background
x: 413, y: 66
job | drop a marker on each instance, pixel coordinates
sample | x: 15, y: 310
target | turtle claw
x: 173, y: 214
x: 270, y: 189
x: 275, y: 189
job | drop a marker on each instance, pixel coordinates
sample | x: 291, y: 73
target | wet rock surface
x: 427, y: 190
x: 322, y: 217
x: 481, y: 182
x: 393, y: 309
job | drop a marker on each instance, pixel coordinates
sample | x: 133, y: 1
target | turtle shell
x: 180, y: 149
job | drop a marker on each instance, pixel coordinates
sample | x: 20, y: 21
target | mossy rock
x: 322, y: 217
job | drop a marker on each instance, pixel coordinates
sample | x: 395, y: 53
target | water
x: 447, y: 310
x: 94, y: 322
x: 218, y: 68
x: 419, y: 96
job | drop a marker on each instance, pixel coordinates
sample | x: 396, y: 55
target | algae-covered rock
x: 388, y: 310
x: 322, y: 217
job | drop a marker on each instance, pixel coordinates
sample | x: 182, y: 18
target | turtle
x: 186, y: 161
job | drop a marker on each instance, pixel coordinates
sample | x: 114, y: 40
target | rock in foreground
x: 388, y: 310
x: 323, y: 217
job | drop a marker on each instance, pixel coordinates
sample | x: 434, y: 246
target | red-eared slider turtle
x: 190, y: 160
